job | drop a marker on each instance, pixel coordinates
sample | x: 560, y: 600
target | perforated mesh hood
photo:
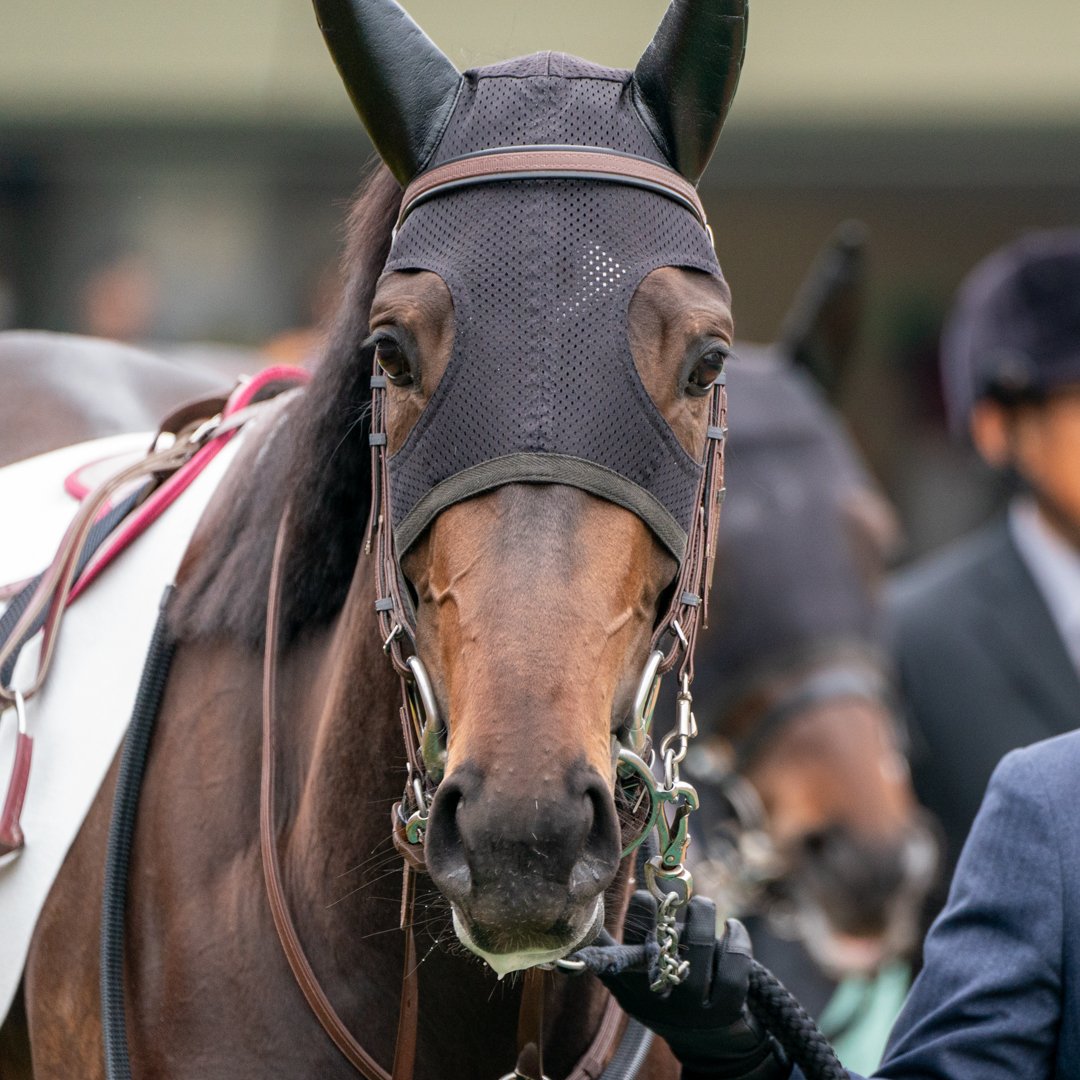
x: 541, y: 384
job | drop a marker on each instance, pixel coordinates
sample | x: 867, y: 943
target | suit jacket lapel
x: 1013, y: 611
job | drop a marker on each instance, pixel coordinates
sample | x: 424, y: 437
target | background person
x: 987, y: 633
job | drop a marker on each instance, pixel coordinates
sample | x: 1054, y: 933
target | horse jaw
x: 505, y: 963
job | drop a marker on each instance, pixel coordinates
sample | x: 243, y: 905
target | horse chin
x: 844, y: 955
x: 503, y: 963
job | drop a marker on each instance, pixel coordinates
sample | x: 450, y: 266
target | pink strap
x: 140, y: 520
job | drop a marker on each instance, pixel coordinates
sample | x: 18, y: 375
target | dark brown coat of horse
x: 536, y: 605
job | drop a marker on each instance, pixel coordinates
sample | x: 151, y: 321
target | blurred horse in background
x: 62, y: 389
x: 814, y: 827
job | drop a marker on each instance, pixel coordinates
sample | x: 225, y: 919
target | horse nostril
x: 816, y: 844
x: 599, y: 858
x: 444, y: 850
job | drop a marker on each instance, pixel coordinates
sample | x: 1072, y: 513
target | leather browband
x: 547, y: 163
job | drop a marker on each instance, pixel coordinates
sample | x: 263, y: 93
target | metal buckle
x: 417, y: 822
x: 203, y: 433
x: 432, y: 730
x: 18, y: 702
x: 395, y: 632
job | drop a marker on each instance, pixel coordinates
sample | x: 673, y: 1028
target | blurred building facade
x: 180, y: 172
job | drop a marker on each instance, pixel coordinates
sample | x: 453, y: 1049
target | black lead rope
x: 780, y: 1014
x: 118, y: 853
x: 772, y: 1004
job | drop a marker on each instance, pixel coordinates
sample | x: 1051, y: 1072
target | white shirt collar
x: 1055, y: 566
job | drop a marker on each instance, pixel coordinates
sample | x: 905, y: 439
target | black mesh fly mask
x: 541, y: 384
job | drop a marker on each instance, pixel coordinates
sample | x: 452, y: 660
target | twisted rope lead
x: 771, y: 1003
x: 777, y: 1010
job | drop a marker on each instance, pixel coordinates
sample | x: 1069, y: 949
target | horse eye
x: 706, y: 372
x: 392, y: 360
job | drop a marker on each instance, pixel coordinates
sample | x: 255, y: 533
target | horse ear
x: 820, y: 332
x: 685, y: 81
x: 400, y: 82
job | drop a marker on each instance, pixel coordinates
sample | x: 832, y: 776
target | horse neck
x: 341, y: 768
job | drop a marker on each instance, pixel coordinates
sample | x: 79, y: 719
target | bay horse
x: 771, y: 594
x: 536, y: 596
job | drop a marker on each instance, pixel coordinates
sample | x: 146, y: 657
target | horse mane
x: 319, y: 458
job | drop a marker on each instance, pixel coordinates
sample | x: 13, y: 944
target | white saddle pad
x: 79, y: 718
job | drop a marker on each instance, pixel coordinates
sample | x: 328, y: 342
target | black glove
x: 704, y: 1020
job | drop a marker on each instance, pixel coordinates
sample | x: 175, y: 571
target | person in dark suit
x: 999, y: 995
x: 986, y: 635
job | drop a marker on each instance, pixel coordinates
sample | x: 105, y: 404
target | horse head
x: 548, y: 346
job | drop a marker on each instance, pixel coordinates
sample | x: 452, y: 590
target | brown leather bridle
x: 424, y: 736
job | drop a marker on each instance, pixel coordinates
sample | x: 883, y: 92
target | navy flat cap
x: 1014, y: 331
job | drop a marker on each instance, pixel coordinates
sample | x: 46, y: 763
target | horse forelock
x: 317, y: 461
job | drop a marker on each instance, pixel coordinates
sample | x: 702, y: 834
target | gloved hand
x: 704, y: 1020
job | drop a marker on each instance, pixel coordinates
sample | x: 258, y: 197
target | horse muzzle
x: 525, y: 867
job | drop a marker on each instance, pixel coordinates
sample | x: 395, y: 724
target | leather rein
x: 424, y: 735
